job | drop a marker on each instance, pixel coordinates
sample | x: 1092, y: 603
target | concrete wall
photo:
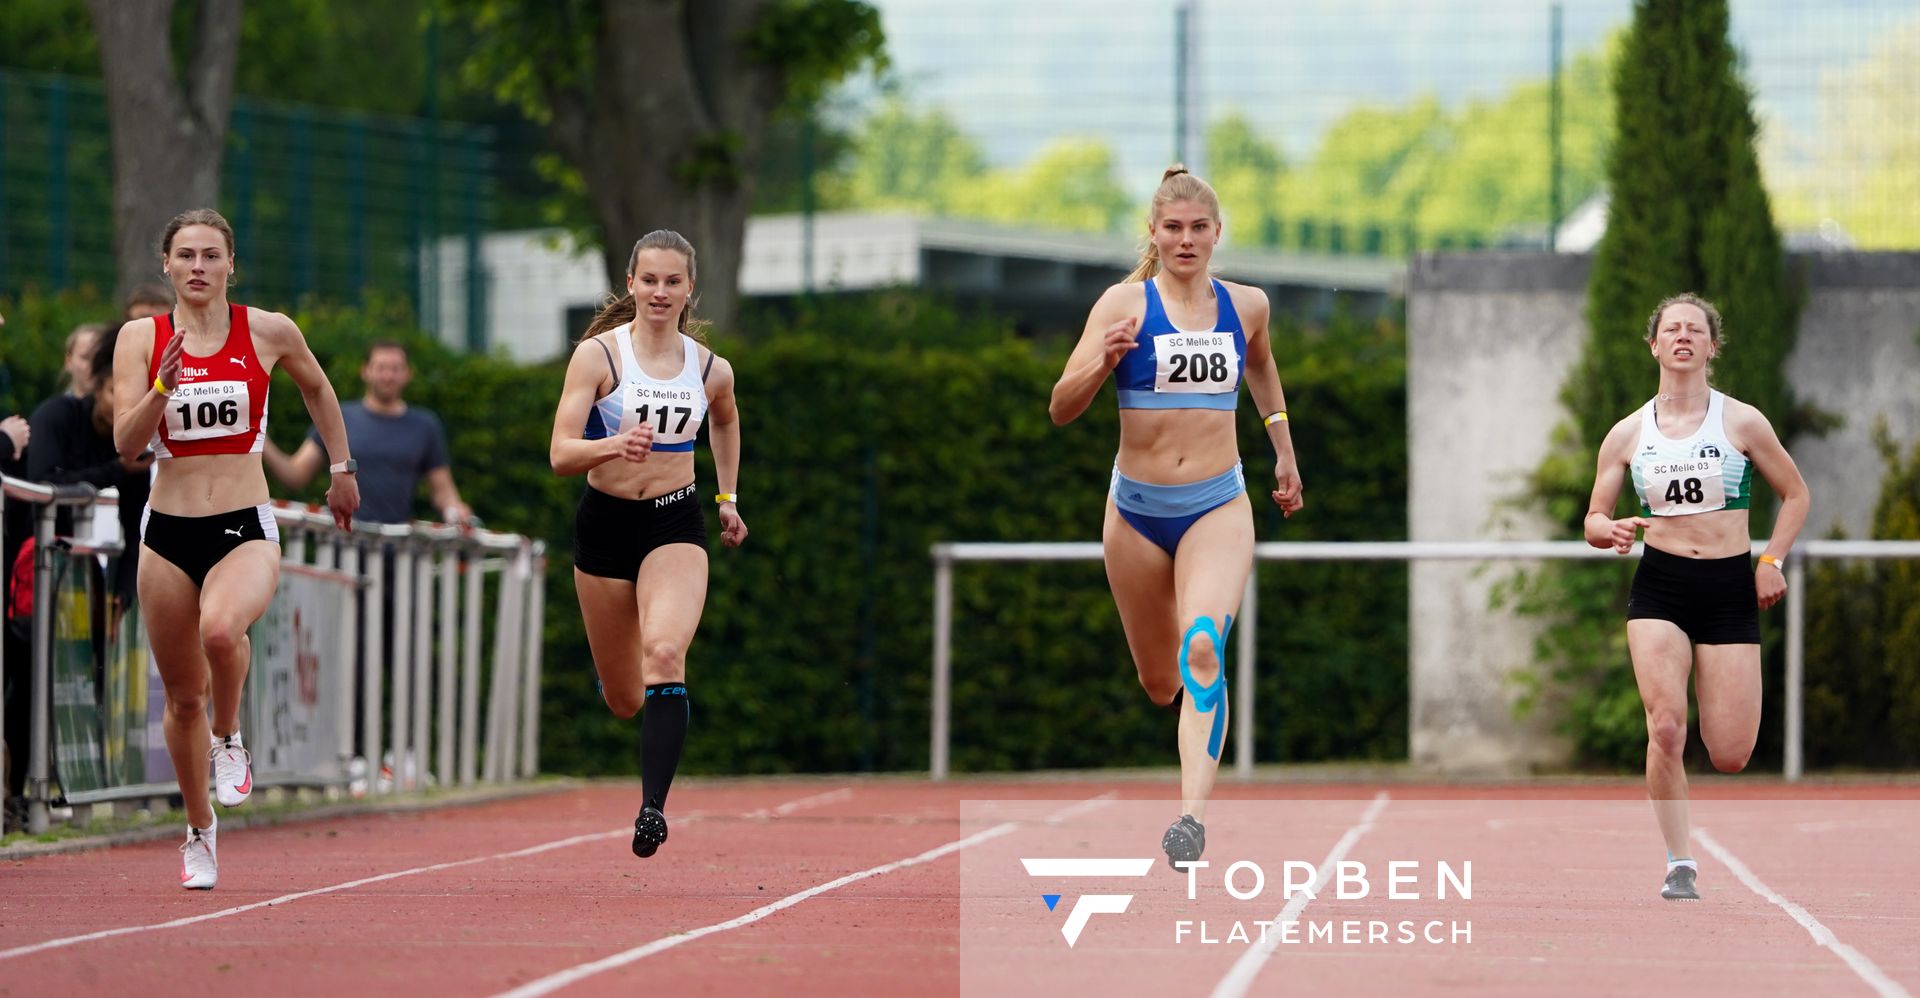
x: 1491, y: 337
x: 1858, y: 356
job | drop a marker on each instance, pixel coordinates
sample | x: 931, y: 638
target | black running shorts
x: 1712, y: 599
x: 612, y: 536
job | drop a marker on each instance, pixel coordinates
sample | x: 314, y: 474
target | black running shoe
x: 1679, y: 886
x: 649, y: 830
x: 1185, y: 840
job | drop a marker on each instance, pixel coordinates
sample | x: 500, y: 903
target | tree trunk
x: 169, y: 133
x: 667, y: 135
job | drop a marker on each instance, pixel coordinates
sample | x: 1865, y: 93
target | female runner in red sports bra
x: 193, y: 386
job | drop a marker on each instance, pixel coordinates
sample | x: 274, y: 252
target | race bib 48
x: 1693, y: 485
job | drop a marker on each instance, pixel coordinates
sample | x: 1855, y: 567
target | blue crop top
x: 1170, y: 368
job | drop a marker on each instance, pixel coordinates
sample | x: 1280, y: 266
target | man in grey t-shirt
x: 395, y: 444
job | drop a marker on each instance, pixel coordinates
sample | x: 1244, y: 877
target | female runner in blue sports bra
x: 1179, y: 528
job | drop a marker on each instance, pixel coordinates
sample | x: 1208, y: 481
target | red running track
x: 542, y: 894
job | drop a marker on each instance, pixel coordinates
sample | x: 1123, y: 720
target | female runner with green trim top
x: 1178, y: 535
x: 1695, y: 600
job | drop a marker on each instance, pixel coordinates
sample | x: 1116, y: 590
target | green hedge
x: 1863, y: 639
x: 873, y: 428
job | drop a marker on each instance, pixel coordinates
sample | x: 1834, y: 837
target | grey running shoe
x: 1185, y: 840
x: 649, y: 830
x: 1679, y: 885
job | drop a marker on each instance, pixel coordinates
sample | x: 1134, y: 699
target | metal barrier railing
x: 1247, y: 620
x: 369, y: 666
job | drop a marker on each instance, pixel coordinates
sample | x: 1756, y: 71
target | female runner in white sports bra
x: 1695, y: 602
x: 638, y: 389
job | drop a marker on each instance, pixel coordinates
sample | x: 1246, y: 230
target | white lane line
x: 802, y: 804
x: 286, y: 898
x: 1876, y: 978
x: 556, y: 981
x: 331, y: 889
x: 1244, y: 970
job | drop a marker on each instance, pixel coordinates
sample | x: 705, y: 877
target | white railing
x: 435, y: 734
x: 945, y: 555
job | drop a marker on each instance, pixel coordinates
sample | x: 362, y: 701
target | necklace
x: 1676, y: 397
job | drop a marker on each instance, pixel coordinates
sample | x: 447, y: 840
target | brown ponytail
x: 1175, y: 185
x: 621, y: 308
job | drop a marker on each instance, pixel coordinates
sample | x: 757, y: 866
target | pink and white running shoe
x: 232, y: 770
x: 199, y: 868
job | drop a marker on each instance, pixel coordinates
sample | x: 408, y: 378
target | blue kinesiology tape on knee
x: 1208, y: 699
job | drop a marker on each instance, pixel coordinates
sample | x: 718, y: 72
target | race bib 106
x: 1693, y: 485
x: 206, y: 409
x: 1195, y: 362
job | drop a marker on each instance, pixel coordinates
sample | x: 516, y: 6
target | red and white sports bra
x: 220, y: 404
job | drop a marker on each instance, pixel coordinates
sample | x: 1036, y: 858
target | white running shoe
x: 199, y: 868
x: 232, y: 770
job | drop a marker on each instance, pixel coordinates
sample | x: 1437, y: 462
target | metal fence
x: 370, y: 672
x: 945, y: 556
x: 324, y: 203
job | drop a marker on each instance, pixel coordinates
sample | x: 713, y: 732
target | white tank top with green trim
x: 1696, y: 474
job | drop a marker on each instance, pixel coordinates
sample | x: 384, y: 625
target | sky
x: 1016, y: 74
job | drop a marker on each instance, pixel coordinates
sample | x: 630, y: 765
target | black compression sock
x: 663, y: 732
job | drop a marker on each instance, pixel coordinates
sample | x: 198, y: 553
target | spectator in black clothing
x: 76, y: 445
x: 14, y: 433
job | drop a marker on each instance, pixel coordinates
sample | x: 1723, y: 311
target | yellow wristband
x: 1779, y: 563
x: 158, y: 387
x: 732, y: 497
x: 1278, y: 417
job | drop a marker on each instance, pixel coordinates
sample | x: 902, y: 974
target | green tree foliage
x: 920, y: 162
x: 49, y: 36
x: 367, y: 57
x: 1477, y: 174
x: 911, y: 161
x: 1688, y: 213
x: 34, y: 339
x: 1071, y: 184
x: 806, y: 148
x: 1863, y: 624
x: 662, y: 108
x: 1481, y: 172
x: 1858, y: 168
x: 1245, y: 171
